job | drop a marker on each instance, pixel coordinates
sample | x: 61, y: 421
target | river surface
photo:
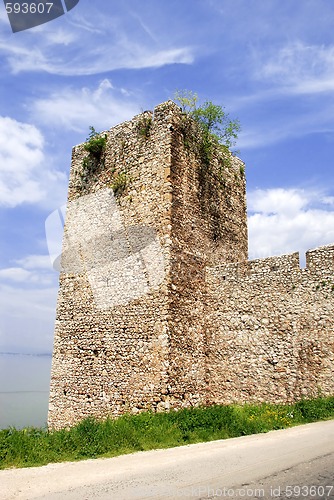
x: 24, y: 390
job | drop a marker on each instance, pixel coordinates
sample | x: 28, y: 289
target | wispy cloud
x: 61, y: 36
x: 293, y: 95
x: 288, y: 220
x: 144, y: 26
x: 27, y: 277
x: 297, y: 68
x: 290, y: 122
x: 100, y: 60
x: 35, y: 262
x: 16, y: 274
x: 108, y: 45
x: 76, y: 109
x: 30, y: 270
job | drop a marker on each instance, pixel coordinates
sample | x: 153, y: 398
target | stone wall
x: 273, y: 328
x: 209, y: 225
x: 130, y: 325
x: 158, y: 307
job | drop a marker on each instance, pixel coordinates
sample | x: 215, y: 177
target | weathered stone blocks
x: 158, y: 307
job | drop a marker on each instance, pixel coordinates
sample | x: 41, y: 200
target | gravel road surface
x: 292, y: 463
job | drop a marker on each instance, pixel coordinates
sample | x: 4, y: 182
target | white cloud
x: 299, y: 68
x: 94, y: 61
x: 21, y: 154
x: 28, y: 277
x: 28, y: 149
x: 25, y: 174
x: 162, y: 57
x: 297, y: 81
x: 328, y: 200
x: 288, y: 220
x: 76, y: 109
x: 277, y: 201
x: 61, y: 36
x: 35, y: 262
x: 33, y: 270
x: 15, y: 274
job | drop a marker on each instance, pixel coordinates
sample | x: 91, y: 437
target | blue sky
x: 271, y: 64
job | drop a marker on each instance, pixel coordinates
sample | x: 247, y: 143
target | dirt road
x: 258, y: 466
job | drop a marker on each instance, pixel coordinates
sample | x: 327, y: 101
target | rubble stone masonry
x: 158, y: 307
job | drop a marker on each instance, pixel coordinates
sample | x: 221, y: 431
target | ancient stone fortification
x: 158, y: 307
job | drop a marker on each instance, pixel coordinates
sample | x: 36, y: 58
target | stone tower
x: 143, y: 224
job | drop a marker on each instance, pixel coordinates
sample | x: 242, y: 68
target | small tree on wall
x: 212, y: 118
x: 209, y: 133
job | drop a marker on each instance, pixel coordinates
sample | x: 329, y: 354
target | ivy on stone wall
x: 94, y: 160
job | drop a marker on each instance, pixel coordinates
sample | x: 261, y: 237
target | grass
x: 147, y: 431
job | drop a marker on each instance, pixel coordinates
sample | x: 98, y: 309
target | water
x: 24, y: 390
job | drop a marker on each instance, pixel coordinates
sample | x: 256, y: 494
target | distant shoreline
x: 24, y: 392
x: 45, y: 354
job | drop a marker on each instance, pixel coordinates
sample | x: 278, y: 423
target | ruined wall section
x: 273, y: 336
x: 112, y: 354
x: 110, y: 358
x: 209, y: 225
